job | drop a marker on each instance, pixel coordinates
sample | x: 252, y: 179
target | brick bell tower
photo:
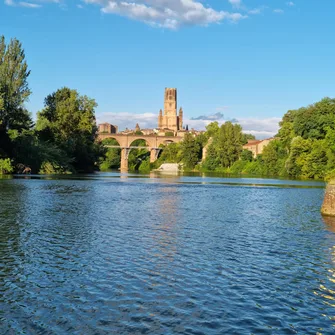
x: 170, y: 120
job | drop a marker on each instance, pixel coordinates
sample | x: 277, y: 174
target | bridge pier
x: 154, y: 152
x: 124, y: 159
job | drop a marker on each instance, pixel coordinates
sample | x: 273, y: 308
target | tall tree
x: 228, y: 143
x: 14, y: 92
x: 68, y: 120
x: 14, y: 88
x: 191, y: 151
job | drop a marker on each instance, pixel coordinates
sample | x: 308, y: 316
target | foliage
x: 6, y: 166
x: 304, y: 147
x: 273, y: 157
x: 246, y: 155
x: 170, y: 153
x: 226, y: 146
x: 14, y: 92
x: 247, y: 137
x: 112, y: 156
x: 68, y: 121
x: 190, y: 151
x: 14, y: 89
x: 145, y: 166
x: 212, y: 129
x: 138, y: 156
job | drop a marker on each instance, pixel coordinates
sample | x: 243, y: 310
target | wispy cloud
x: 261, y: 128
x: 222, y: 108
x: 29, y: 5
x: 290, y: 3
x: 9, y: 3
x: 214, y: 117
x: 258, y: 10
x: 236, y: 3
x: 278, y: 11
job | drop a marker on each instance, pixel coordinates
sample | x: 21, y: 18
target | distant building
x: 148, y: 131
x: 107, y: 128
x: 257, y: 146
x: 170, y: 121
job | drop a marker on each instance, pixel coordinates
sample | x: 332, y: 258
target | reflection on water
x: 165, y: 255
x: 327, y: 289
x: 168, y: 204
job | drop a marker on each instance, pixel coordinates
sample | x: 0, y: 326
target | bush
x: 6, y: 166
x: 253, y: 168
x: 238, y: 167
x: 52, y: 168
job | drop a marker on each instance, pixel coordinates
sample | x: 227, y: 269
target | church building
x: 170, y: 120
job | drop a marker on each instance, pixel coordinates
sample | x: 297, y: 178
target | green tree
x: 247, y: 137
x: 5, y: 166
x: 315, y: 165
x: 300, y: 149
x: 286, y: 132
x: 191, y: 151
x: 68, y: 120
x: 14, y: 92
x: 228, y: 144
x: 171, y: 153
x: 273, y: 158
x: 14, y: 89
x: 246, y: 155
x: 312, y: 122
x: 212, y: 129
x: 112, y: 156
x: 138, y: 156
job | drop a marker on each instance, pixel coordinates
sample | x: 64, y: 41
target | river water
x: 129, y: 254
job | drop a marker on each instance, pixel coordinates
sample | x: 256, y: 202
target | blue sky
x: 251, y: 60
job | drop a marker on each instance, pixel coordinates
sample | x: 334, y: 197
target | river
x: 132, y: 254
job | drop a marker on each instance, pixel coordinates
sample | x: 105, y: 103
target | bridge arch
x: 105, y: 140
x: 168, y: 142
x: 131, y: 142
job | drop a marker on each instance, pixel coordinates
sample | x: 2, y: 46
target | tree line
x: 63, y: 138
x: 303, y: 148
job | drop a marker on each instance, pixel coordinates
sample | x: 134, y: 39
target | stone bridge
x: 125, y: 144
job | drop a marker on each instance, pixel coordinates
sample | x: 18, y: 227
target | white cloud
x: 29, y: 5
x: 255, y: 11
x: 261, y: 128
x: 128, y: 120
x: 236, y: 3
x: 170, y: 14
x: 278, y: 11
x: 33, y: 4
x: 290, y: 3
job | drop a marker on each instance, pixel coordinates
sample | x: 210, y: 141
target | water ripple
x: 137, y: 256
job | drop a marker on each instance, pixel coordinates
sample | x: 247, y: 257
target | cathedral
x: 170, y: 120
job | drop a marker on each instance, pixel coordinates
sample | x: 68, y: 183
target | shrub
x: 6, y: 166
